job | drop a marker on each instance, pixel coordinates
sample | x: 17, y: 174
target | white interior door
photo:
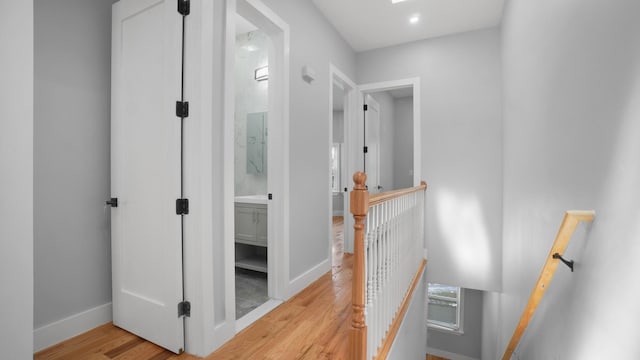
x: 146, y: 170
x: 372, y: 144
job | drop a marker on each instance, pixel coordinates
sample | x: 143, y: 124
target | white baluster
x: 394, y: 236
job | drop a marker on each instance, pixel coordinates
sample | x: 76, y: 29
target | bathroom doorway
x: 259, y: 116
x: 251, y: 127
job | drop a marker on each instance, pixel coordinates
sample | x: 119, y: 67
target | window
x: 335, y: 167
x: 445, y: 307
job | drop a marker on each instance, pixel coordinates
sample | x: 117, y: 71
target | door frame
x: 372, y: 102
x: 357, y: 137
x: 209, y: 173
x: 278, y: 155
x: 278, y: 152
x: 337, y: 77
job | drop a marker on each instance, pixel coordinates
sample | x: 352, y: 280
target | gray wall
x: 16, y: 177
x: 410, y: 341
x: 572, y: 119
x: 387, y: 147
x: 470, y: 343
x: 71, y: 157
x: 314, y: 42
x: 403, y: 142
x: 461, y: 136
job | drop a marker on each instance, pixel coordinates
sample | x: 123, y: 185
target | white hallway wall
x: 16, y: 179
x: 461, y: 128
x: 314, y: 42
x: 572, y: 119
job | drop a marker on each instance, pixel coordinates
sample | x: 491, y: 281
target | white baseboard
x: 299, y: 283
x: 338, y: 212
x: 448, y: 355
x: 61, y: 330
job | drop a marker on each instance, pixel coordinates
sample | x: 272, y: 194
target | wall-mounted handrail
x: 387, y: 264
x: 567, y: 228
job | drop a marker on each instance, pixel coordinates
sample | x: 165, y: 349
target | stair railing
x: 567, y: 228
x: 388, y: 262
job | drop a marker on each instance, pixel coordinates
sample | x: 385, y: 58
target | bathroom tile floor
x: 251, y: 291
x: 251, y: 286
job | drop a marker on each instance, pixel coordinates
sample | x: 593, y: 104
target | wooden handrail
x: 567, y: 228
x: 388, y: 195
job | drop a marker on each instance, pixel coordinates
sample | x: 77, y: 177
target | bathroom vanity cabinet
x: 251, y: 236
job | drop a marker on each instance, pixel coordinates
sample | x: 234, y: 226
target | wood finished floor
x: 314, y: 324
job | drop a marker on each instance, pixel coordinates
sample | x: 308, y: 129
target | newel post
x: 359, y: 208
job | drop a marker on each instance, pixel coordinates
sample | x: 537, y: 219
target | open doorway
x: 251, y: 120
x: 341, y: 124
x: 397, y: 144
x: 399, y: 130
x: 388, y: 137
x: 258, y: 275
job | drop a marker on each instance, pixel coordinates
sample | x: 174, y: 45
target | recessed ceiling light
x: 397, y: 1
x: 414, y: 19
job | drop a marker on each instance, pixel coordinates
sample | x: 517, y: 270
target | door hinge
x: 184, y: 309
x: 184, y: 7
x: 182, y: 206
x: 365, y: 107
x: 113, y: 202
x: 270, y: 196
x: 182, y: 109
x: 365, y: 149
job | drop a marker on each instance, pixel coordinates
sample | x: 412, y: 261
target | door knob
x: 113, y: 202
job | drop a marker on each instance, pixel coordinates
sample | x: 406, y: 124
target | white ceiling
x: 371, y: 24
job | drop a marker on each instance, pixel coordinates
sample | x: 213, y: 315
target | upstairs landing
x: 314, y: 324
